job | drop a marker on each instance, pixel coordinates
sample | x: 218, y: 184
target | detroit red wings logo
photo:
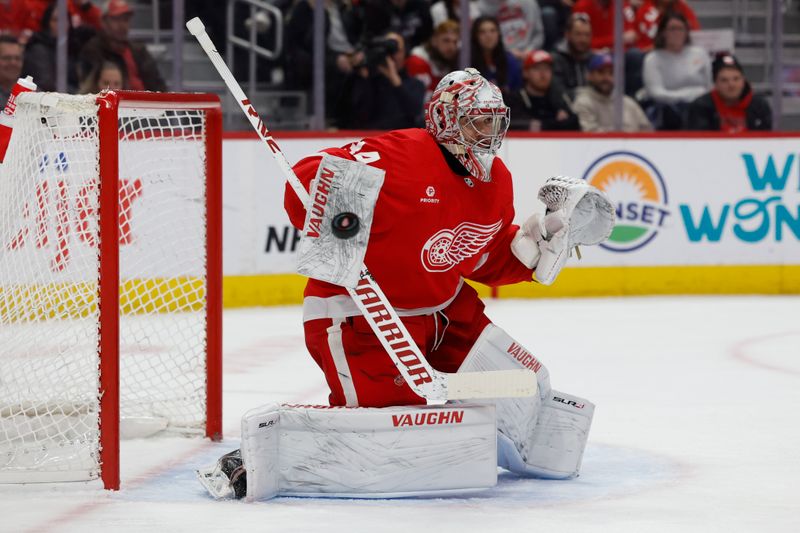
x: 449, y: 247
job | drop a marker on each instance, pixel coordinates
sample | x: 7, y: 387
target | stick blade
x: 491, y: 384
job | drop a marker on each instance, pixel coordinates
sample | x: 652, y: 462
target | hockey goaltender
x: 444, y: 214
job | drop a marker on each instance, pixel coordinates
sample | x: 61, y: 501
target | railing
x: 772, y: 41
x: 251, y: 43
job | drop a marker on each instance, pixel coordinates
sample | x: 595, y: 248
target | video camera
x: 377, y: 50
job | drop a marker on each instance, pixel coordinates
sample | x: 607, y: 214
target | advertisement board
x: 680, y: 201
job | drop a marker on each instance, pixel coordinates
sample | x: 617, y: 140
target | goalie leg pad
x: 559, y: 440
x: 540, y: 437
x: 368, y: 452
x: 516, y: 417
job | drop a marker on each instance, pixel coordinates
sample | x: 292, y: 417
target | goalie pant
x: 535, y: 438
x: 357, y: 368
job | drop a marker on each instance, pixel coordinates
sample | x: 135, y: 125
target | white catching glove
x: 577, y: 213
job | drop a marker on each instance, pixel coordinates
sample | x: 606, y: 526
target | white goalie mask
x: 467, y: 115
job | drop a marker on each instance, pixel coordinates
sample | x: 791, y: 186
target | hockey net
x: 109, y: 279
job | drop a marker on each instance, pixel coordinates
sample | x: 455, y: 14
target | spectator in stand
x: 540, y: 105
x: 648, y: 17
x: 40, y: 52
x: 81, y: 13
x: 439, y: 56
x: 601, y: 18
x: 342, y: 55
x: 381, y: 95
x: 112, y: 44
x: 601, y: 15
x: 555, y: 14
x: 675, y: 73
x: 451, y: 10
x: 16, y: 19
x: 520, y: 24
x: 107, y: 76
x: 10, y: 65
x: 412, y: 20
x: 731, y: 105
x: 572, y: 55
x: 22, y: 18
x: 491, y: 58
x: 595, y: 107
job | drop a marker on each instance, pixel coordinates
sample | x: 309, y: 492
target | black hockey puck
x: 345, y: 225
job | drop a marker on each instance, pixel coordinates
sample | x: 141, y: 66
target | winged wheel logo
x: 448, y: 247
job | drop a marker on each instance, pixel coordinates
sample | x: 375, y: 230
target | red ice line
x: 739, y: 352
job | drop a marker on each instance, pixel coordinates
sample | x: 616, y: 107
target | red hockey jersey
x: 648, y: 17
x: 431, y: 228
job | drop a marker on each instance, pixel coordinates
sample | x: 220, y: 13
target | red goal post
x: 110, y: 279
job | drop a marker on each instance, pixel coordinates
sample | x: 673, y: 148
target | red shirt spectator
x: 731, y: 105
x: 16, y: 17
x: 84, y: 13
x: 23, y: 17
x: 430, y: 62
x: 418, y: 65
x: 112, y: 44
x: 649, y: 15
x: 601, y: 16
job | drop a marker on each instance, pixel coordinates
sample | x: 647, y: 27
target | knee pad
x: 496, y: 350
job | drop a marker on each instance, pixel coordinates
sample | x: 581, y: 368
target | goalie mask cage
x: 110, y: 278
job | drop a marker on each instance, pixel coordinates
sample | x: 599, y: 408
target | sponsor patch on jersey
x: 430, y: 196
x: 448, y: 247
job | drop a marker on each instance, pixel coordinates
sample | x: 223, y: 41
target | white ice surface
x: 696, y: 429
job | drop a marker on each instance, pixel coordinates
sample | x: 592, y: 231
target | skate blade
x: 215, y: 482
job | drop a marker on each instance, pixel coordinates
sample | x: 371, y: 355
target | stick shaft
x: 247, y: 107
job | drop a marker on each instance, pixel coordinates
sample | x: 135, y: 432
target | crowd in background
x: 551, y: 58
x: 100, y: 53
x: 383, y: 58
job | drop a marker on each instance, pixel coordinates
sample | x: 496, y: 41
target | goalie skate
x: 227, y: 479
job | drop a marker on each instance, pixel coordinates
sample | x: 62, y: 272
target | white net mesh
x: 49, y: 261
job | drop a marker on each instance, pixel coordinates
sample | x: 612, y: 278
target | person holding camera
x: 379, y: 94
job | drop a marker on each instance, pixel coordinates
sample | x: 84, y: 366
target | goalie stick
x: 424, y: 380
